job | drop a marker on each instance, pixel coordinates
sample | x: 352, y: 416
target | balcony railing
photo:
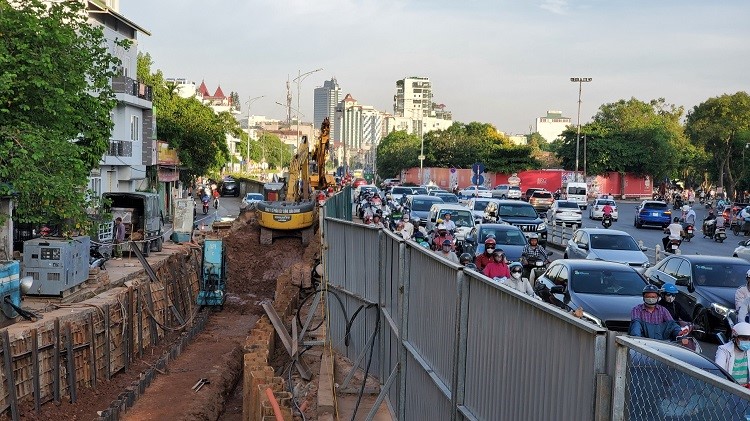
x: 120, y: 148
x: 126, y: 85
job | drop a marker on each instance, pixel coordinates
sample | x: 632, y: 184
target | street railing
x: 650, y: 385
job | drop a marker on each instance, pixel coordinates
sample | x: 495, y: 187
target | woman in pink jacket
x: 498, y: 267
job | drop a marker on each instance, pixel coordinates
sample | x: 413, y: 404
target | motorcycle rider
x: 486, y: 257
x: 669, y: 293
x: 742, y: 299
x: 673, y: 231
x: 733, y: 355
x: 376, y: 221
x: 449, y: 224
x: 498, y: 267
x: 465, y: 259
x: 607, y: 210
x: 517, y: 281
x: 688, y: 216
x: 650, y: 320
x: 446, y: 252
x: 441, y: 236
x: 533, y: 251
x: 407, y: 230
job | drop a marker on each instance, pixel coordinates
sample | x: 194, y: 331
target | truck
x: 141, y: 213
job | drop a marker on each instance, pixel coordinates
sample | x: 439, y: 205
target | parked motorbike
x: 607, y: 221
x: 98, y: 255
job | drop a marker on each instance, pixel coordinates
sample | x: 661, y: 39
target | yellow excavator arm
x: 319, y: 180
x: 298, y: 185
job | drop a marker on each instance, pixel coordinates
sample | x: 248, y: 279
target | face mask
x: 446, y: 249
x: 744, y: 345
x: 650, y: 301
x: 516, y: 275
x: 669, y: 298
x: 490, y: 251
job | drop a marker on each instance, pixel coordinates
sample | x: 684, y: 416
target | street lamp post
x: 580, y: 81
x: 300, y: 77
x: 249, y: 103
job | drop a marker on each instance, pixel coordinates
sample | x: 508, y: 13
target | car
x: 430, y: 187
x: 506, y: 191
x: 370, y: 188
x: 474, y: 191
x: 606, y: 291
x: 446, y: 196
x: 358, y: 182
x: 229, y: 187
x: 652, y: 212
x: 743, y: 250
x: 508, y: 237
x: 520, y: 214
x: 596, y: 209
x: 576, y: 192
x: 706, y: 286
x: 419, y: 206
x: 541, y: 200
x: 460, y: 216
x: 249, y: 201
x: 398, y: 191
x: 436, y: 191
x: 607, y: 245
x: 565, y: 212
x: 477, y: 205
x: 527, y: 194
x: 391, y: 182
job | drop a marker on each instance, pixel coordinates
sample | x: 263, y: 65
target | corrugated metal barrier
x: 451, y: 344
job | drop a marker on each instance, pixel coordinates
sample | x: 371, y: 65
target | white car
x: 595, y: 212
x: 250, y: 200
x: 474, y: 191
x: 477, y: 204
x: 743, y: 250
x: 565, y: 212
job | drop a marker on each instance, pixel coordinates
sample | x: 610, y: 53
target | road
x: 229, y: 207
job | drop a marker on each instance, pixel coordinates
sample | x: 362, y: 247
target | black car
x: 606, y: 291
x: 520, y: 214
x: 707, y: 285
x: 229, y: 188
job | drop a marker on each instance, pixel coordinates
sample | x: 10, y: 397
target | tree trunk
x: 622, y: 185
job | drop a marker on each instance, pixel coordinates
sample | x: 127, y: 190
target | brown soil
x: 215, y: 354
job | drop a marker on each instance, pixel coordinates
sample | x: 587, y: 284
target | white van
x: 576, y: 192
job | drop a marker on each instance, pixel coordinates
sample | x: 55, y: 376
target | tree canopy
x: 55, y: 104
x: 190, y: 127
x: 269, y: 147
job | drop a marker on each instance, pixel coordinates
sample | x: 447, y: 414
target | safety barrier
x: 448, y: 343
x: 340, y: 205
x: 650, y: 385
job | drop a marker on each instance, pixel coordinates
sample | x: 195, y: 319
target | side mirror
x: 557, y: 289
x: 644, y: 248
x: 682, y: 281
x: 583, y: 246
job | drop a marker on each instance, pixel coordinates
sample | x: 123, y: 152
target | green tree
x: 397, y: 151
x: 721, y: 127
x: 55, y: 103
x: 190, y: 127
x: 270, y: 148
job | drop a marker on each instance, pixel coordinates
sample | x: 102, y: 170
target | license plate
x: 654, y: 213
x: 674, y: 246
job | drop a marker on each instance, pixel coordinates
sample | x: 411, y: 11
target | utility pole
x: 249, y: 103
x: 580, y: 81
x: 300, y: 77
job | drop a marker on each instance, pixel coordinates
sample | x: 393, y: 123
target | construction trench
x: 143, y: 350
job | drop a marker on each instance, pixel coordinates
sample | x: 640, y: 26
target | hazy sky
x: 504, y: 61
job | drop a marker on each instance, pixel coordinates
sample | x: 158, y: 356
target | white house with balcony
x: 132, y: 147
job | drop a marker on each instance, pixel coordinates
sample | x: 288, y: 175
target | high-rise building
x: 349, y: 122
x: 326, y: 101
x: 413, y: 98
x: 552, y: 125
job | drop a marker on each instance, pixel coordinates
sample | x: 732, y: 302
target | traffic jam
x: 658, y: 269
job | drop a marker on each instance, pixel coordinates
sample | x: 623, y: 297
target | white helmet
x: 441, y: 227
x: 685, y: 208
x: 747, y: 275
x: 741, y: 329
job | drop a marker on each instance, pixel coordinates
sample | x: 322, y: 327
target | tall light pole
x: 580, y: 81
x: 300, y: 77
x: 249, y: 103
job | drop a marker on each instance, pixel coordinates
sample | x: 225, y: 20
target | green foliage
x: 269, y: 147
x: 192, y: 128
x: 397, y: 151
x: 55, y: 104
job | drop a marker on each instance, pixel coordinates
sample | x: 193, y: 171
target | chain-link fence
x: 654, y: 382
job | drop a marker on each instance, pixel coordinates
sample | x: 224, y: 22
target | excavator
x: 294, y: 214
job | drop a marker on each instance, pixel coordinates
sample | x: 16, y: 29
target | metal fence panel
x: 391, y: 295
x: 432, y: 302
x: 362, y: 262
x: 424, y: 399
x: 335, y: 232
x: 522, y: 351
x: 659, y: 387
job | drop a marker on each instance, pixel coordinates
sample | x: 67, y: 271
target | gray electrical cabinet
x: 56, y: 264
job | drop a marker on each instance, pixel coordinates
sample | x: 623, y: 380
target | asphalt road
x: 229, y: 207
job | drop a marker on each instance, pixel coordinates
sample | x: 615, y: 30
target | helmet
x: 440, y: 227
x: 669, y: 288
x: 439, y: 221
x: 676, y: 219
x: 516, y: 267
x: 685, y: 208
x: 471, y: 266
x: 465, y: 257
x: 405, y: 217
x: 650, y: 288
x: 533, y: 236
x: 446, y: 242
x: 330, y: 190
x: 418, y: 234
x: 491, y: 242
x: 741, y: 329
x: 499, y: 252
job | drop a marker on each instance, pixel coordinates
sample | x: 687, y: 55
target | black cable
x: 369, y: 359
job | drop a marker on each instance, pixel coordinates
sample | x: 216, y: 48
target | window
x: 671, y: 267
x: 684, y: 270
x: 135, y: 129
x: 562, y: 277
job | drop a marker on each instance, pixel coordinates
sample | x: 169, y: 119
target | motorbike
x: 98, y: 255
x: 686, y: 339
x: 538, y: 266
x: 673, y: 245
x: 607, y: 221
x: 688, y: 232
x: 205, y: 206
x: 678, y: 202
x: 710, y: 230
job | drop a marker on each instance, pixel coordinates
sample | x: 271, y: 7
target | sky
x: 503, y: 62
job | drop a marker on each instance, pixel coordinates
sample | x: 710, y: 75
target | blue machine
x: 10, y: 289
x: 213, y: 274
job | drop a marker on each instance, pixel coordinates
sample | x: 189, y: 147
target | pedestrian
x: 119, y: 237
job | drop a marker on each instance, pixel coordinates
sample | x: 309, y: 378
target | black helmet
x: 470, y: 266
x: 465, y: 258
x: 676, y: 219
x: 650, y: 288
x: 446, y: 242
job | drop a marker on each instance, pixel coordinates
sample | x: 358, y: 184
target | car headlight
x: 720, y: 309
x: 541, y: 226
x: 593, y: 319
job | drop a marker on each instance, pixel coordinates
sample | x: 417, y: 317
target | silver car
x: 250, y: 200
x: 564, y: 212
x: 608, y: 245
